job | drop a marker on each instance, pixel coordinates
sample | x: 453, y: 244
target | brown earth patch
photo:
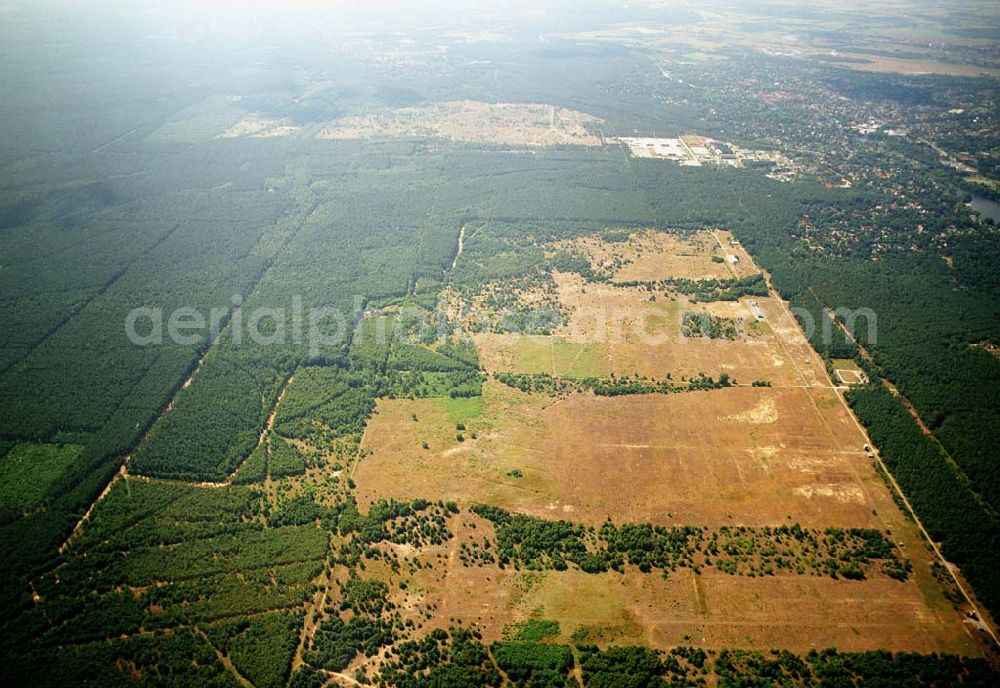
x: 527, y: 124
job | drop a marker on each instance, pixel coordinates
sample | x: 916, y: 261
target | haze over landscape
x: 535, y: 344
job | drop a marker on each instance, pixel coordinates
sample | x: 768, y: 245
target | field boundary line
x: 985, y: 622
x: 120, y: 474
x: 915, y: 413
x: 224, y: 659
x: 268, y: 425
x: 155, y: 420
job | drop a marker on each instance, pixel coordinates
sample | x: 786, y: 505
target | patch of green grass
x: 199, y: 122
x: 985, y: 181
x: 28, y: 470
x: 462, y: 408
x: 575, y: 360
x: 555, y: 356
x: 661, y: 317
x: 436, y: 384
x: 561, y: 358
x: 534, y: 630
x: 533, y: 355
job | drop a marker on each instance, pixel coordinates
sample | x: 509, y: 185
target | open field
x: 750, y: 456
x: 848, y: 372
x: 739, y: 456
x: 872, y: 50
x: 722, y: 458
x: 521, y: 124
x: 655, y: 255
x: 612, y: 328
x: 707, y: 610
x: 869, y: 62
x: 566, y: 476
x: 619, y: 330
x: 255, y: 126
x: 434, y: 589
x: 552, y: 355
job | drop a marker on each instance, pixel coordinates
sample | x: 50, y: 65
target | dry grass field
x: 872, y: 62
x: 433, y: 589
x: 652, y: 255
x: 516, y: 124
x: 754, y: 456
x: 255, y: 126
x: 738, y: 456
x: 628, y: 330
x: 619, y: 330
x: 727, y: 457
x: 710, y: 609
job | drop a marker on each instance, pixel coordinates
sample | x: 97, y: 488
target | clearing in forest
x: 258, y: 127
x: 759, y: 457
x: 516, y: 124
x: 652, y: 255
x: 753, y: 457
x: 848, y: 372
x: 668, y: 306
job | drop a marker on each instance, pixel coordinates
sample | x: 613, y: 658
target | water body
x: 986, y: 207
